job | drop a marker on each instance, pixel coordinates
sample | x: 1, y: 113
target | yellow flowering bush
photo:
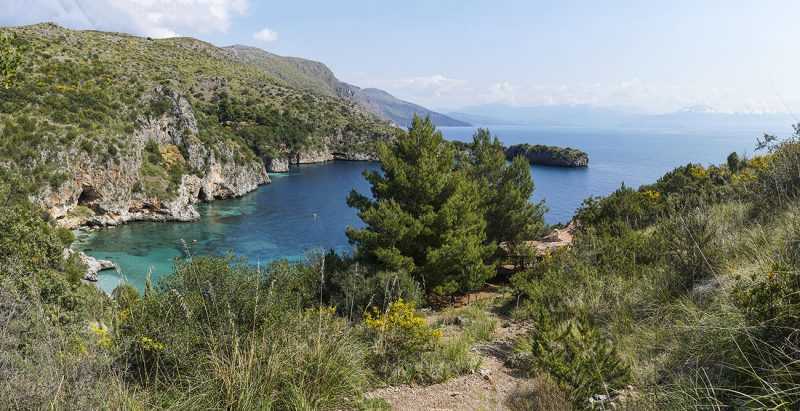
x: 400, y: 332
x: 651, y: 195
x: 759, y: 162
x: 697, y: 171
x: 150, y: 344
x: 101, y: 333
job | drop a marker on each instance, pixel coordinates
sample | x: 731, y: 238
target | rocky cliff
x: 114, y: 192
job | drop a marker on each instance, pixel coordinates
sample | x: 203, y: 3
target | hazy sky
x: 645, y: 55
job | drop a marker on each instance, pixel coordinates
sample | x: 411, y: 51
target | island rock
x: 549, y: 155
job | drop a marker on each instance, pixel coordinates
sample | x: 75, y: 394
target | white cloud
x: 502, y: 92
x: 437, y: 84
x: 635, y: 94
x: 265, y: 35
x: 156, y: 18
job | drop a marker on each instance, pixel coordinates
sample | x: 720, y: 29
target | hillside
x: 318, y: 78
x: 399, y: 111
x: 127, y: 128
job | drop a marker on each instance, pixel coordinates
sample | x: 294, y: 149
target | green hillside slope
x: 129, y: 128
x: 317, y: 77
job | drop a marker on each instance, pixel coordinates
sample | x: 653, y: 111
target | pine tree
x: 506, y: 189
x: 424, y: 216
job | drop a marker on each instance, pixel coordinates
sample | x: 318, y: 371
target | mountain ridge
x: 317, y: 77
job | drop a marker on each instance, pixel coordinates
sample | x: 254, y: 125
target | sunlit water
x: 305, y: 209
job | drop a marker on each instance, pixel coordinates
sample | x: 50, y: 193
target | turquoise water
x: 305, y: 209
x: 298, y: 212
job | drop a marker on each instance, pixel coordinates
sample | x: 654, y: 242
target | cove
x: 306, y: 209
x: 299, y: 211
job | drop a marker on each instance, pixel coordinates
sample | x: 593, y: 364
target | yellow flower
x: 760, y: 162
x: 697, y: 171
x: 151, y: 344
x: 101, y: 333
x: 651, y: 195
x: 402, y: 320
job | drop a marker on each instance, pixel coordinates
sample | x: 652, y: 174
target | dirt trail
x: 487, y: 389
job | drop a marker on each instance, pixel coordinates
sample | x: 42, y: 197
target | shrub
x: 399, y: 333
x: 404, y: 348
x: 218, y: 334
x: 355, y: 288
x: 125, y: 295
x: 691, y: 240
x: 625, y: 207
x: 46, y: 364
x: 578, y: 358
x: 778, y: 181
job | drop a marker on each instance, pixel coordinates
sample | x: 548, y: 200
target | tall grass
x: 702, y: 300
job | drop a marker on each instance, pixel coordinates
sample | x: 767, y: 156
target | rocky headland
x: 549, y: 155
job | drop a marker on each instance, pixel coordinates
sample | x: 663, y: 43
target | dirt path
x: 487, y: 389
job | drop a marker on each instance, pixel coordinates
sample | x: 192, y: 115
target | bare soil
x: 487, y: 389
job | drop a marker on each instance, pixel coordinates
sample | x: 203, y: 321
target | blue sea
x: 305, y: 210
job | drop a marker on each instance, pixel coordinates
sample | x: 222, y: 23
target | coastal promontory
x: 549, y: 155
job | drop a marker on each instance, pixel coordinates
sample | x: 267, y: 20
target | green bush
x: 404, y: 348
x: 777, y: 181
x: 691, y: 240
x: 47, y: 365
x: 218, y: 334
x: 578, y: 358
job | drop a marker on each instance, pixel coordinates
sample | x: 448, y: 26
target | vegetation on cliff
x: 83, y: 100
x: 549, y: 155
x: 317, y: 77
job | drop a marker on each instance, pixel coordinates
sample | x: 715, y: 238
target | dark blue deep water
x: 305, y: 209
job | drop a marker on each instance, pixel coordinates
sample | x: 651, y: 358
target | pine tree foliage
x: 425, y: 216
x: 506, y: 189
x: 579, y: 358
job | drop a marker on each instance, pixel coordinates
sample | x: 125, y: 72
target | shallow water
x: 305, y: 209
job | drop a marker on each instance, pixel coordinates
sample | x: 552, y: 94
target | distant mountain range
x: 317, y: 77
x: 697, y: 118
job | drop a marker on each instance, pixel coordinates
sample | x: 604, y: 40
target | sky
x: 647, y: 56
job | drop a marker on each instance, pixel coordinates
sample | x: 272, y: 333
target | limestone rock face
x: 93, y: 265
x: 277, y: 165
x: 110, y: 193
x: 312, y: 156
x: 355, y: 156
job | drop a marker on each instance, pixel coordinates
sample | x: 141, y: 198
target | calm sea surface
x: 305, y: 209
